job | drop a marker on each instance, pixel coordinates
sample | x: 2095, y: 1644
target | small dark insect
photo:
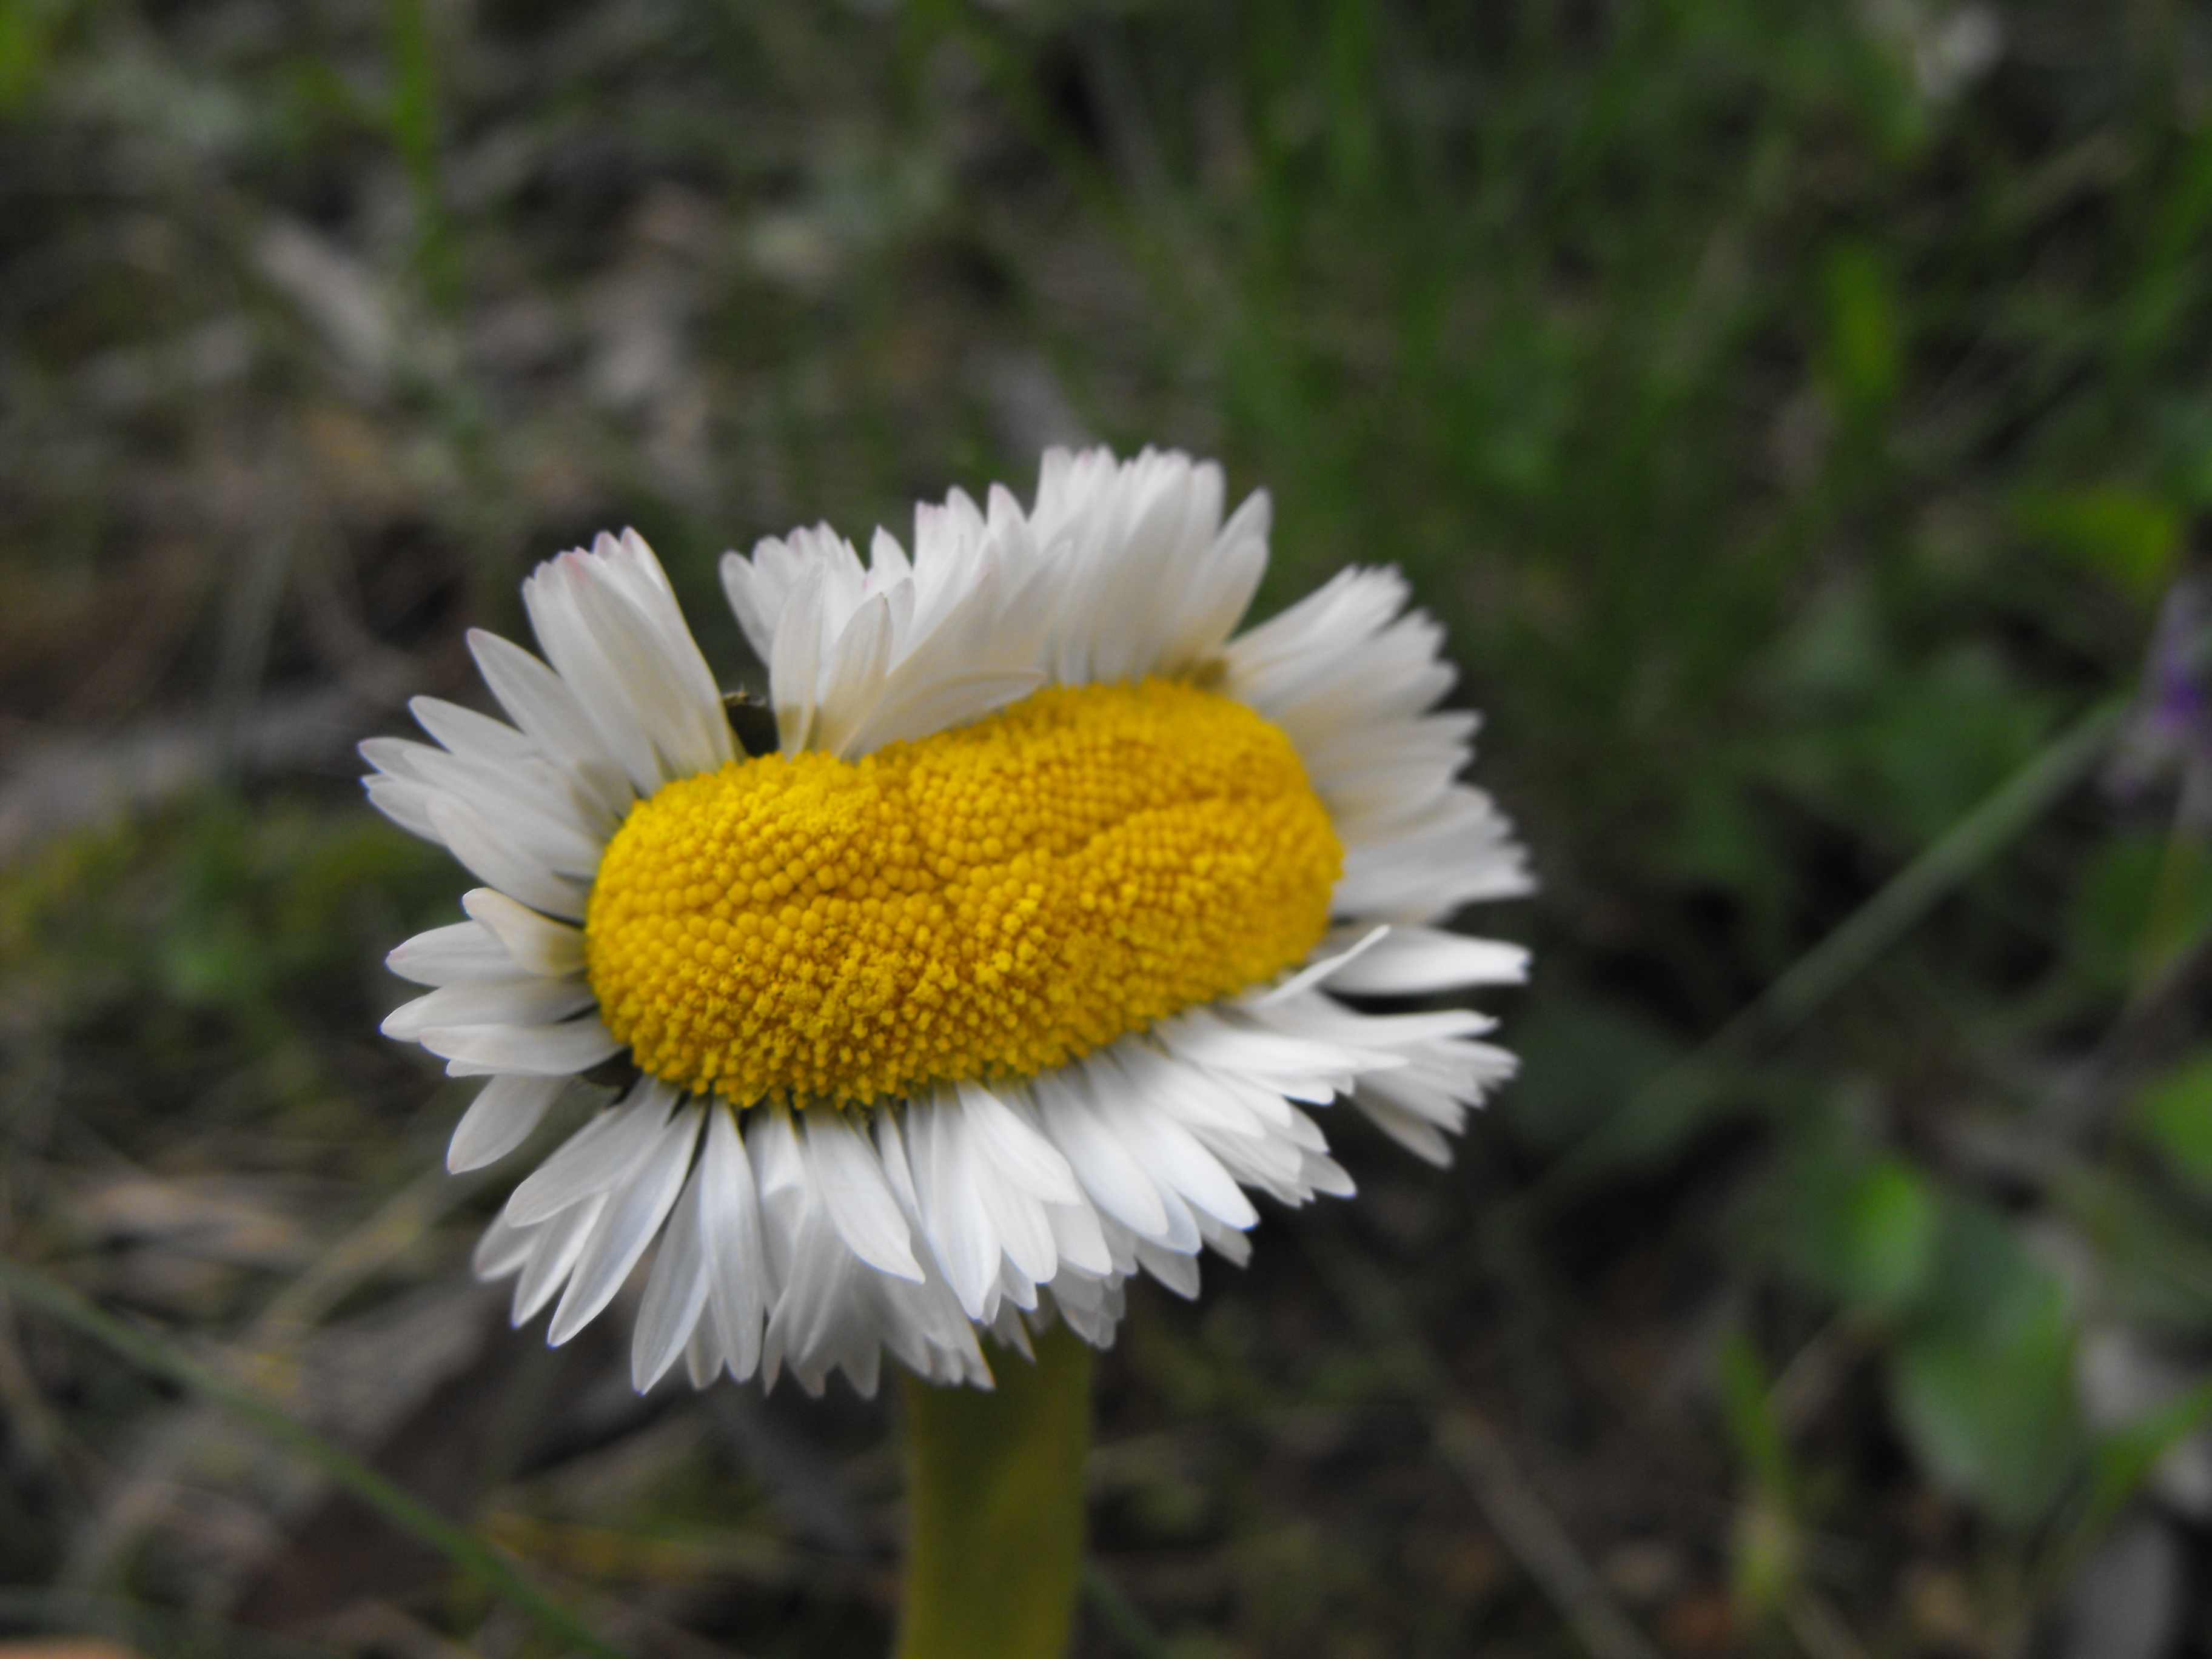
x: 752, y: 721
x: 619, y: 1073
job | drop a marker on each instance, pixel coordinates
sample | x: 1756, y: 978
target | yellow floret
x: 988, y: 902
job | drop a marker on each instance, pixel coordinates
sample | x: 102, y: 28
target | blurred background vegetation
x: 1799, y: 412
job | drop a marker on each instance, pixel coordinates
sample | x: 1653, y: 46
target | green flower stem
x: 994, y: 1500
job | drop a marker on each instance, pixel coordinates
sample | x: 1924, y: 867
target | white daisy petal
x: 1024, y: 1233
x: 394, y: 758
x: 633, y: 620
x: 1303, y: 1068
x: 675, y: 1292
x: 555, y: 595
x: 703, y: 1358
x: 452, y: 955
x: 490, y: 1002
x: 1114, y: 1180
x: 933, y: 1336
x: 467, y: 733
x: 738, y: 1273
x: 554, y: 1249
x: 561, y: 1050
x: 1178, y: 1273
x: 1323, y: 1174
x: 852, y: 678
x: 405, y: 802
x: 650, y: 590
x: 1021, y: 1153
x: 849, y: 1181
x: 1177, y: 1160
x: 499, y: 1118
x: 960, y: 1231
x: 1181, y: 1234
x: 1228, y: 1244
x: 545, y: 706
x: 1415, y: 961
x: 1222, y: 590
x: 535, y: 808
x: 537, y: 943
x: 755, y: 589
x: 1167, y: 1149
x: 597, y: 1159
x: 950, y: 701
x: 495, y: 859
x: 503, y: 1250
x: 1329, y: 967
x: 1079, y: 1239
x: 795, y: 660
x: 633, y: 1215
x: 1417, y: 1135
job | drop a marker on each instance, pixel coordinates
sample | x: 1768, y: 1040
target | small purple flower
x: 2171, y: 727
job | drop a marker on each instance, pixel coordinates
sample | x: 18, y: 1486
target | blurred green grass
x: 1795, y: 411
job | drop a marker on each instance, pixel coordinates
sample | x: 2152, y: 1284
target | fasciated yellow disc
x: 988, y: 903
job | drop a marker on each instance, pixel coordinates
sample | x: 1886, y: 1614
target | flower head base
x: 989, y: 903
x: 1029, y: 955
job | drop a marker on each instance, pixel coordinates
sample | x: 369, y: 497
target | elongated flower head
x: 1022, y: 959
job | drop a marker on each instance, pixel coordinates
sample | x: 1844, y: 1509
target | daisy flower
x: 1024, y: 953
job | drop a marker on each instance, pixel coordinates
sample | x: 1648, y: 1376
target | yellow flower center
x: 990, y: 902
